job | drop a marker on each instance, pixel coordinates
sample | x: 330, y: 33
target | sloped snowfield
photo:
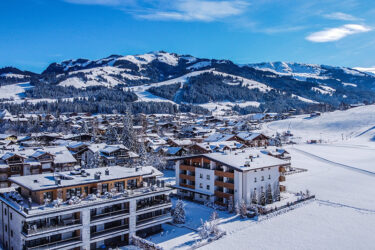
x: 340, y: 173
x: 353, y: 126
x: 342, y: 217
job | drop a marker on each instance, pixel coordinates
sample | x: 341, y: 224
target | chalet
x: 251, y: 139
x: 219, y: 177
x: 77, y: 149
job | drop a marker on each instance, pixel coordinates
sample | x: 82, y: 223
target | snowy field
x: 341, y: 217
x: 341, y: 173
x: 14, y: 91
x: 354, y: 126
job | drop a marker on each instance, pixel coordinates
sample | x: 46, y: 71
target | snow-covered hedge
x: 145, y: 244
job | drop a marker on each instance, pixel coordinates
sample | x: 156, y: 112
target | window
x: 208, y: 177
x: 5, y: 211
x: 269, y: 177
x: 200, y: 196
x: 119, y: 186
x: 208, y: 187
x: 201, y: 176
x: 262, y: 169
x: 255, y: 179
x: 200, y: 185
x: 11, y: 233
x: 48, y: 195
x: 262, y: 178
x: 105, y: 188
x: 6, y: 228
x: 11, y: 216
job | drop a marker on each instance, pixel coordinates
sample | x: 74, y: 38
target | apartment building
x: 218, y: 177
x: 83, y: 209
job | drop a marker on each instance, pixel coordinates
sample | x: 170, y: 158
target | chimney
x: 107, y: 171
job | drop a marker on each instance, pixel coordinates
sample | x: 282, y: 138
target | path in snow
x: 335, y: 163
x: 324, y: 202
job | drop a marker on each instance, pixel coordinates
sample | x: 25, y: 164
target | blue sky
x: 35, y: 33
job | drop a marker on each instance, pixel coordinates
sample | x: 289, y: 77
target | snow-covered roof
x: 172, y: 150
x: 113, y: 148
x: 47, y: 181
x: 244, y: 160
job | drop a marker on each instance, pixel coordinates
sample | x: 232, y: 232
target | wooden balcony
x: 187, y: 177
x: 224, y: 174
x: 282, y: 188
x: 187, y: 186
x: 281, y: 178
x: 187, y: 168
x: 222, y: 195
x: 224, y: 184
x: 282, y: 169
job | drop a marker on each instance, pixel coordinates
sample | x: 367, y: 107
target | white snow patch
x: 14, y: 91
x: 349, y: 84
x: 199, y: 65
x: 370, y: 71
x: 303, y: 99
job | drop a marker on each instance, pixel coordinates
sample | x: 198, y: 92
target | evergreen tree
x: 214, y: 216
x: 254, y: 198
x: 143, y: 156
x: 230, y: 204
x: 96, y: 161
x: 276, y: 193
x: 269, y: 198
x: 243, y: 209
x: 179, y: 213
x: 84, y: 128
x: 262, y: 197
x: 128, y: 138
x: 111, y: 135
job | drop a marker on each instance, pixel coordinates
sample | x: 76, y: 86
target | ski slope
x: 14, y: 91
x: 356, y: 125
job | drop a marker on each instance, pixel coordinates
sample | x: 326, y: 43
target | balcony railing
x: 188, y: 177
x: 155, y: 219
x: 109, y: 230
x: 57, y: 244
x: 281, y: 178
x: 222, y: 194
x: 187, y: 167
x: 14, y: 162
x: 187, y: 186
x: 64, y: 223
x: 152, y: 204
x: 224, y: 174
x: 224, y: 184
x: 109, y: 214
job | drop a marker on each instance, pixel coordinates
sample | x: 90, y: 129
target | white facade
x: 238, y: 174
x: 14, y: 236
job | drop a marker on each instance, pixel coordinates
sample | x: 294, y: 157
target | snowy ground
x: 14, y: 91
x: 341, y: 173
x: 354, y: 126
x: 342, y: 217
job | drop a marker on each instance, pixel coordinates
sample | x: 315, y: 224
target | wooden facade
x: 91, y: 188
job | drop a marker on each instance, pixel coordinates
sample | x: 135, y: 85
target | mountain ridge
x: 179, y: 79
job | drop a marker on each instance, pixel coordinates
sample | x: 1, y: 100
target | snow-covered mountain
x: 370, y: 71
x: 180, y: 79
x: 9, y: 75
